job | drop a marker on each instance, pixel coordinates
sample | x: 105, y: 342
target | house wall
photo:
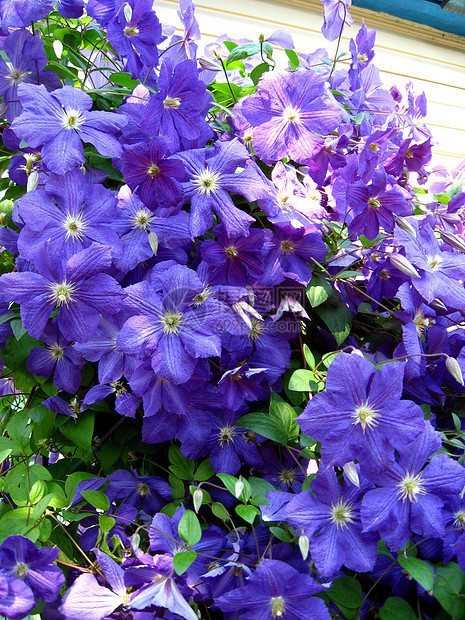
x: 433, y: 60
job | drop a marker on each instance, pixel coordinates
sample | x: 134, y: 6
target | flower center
x: 421, y: 322
x: 21, y: 570
x: 153, y: 170
x: 172, y: 102
x: 408, y: 155
x: 374, y: 203
x: 119, y: 388
x: 16, y: 76
x: 141, y: 219
x: 231, y: 251
x: 374, y: 148
x: 433, y: 261
x: 287, y: 247
x: 62, y: 293
x: 256, y: 330
x: 226, y: 434
x: 75, y: 226
x: 277, y: 606
x: 291, y: 114
x: 75, y: 407
x: 200, y: 298
x: 459, y: 519
x: 287, y: 476
x: 143, y: 490
x: 171, y: 322
x: 362, y: 58
x: 341, y: 513
x: 410, y: 486
x: 72, y: 119
x: 56, y: 352
x: 207, y: 182
x: 366, y: 416
x: 131, y: 31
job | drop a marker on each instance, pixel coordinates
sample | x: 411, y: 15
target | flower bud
x: 197, y: 498
x: 438, y: 305
x: 238, y: 487
x: 351, y: 473
x: 209, y: 65
x: 58, y: 48
x: 127, y: 12
x: 453, y: 367
x: 403, y: 223
x: 153, y: 241
x: 304, y: 546
x: 403, y: 264
x: 135, y: 541
x: 453, y: 240
x: 32, y: 181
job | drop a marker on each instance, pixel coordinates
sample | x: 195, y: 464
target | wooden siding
x: 434, y: 61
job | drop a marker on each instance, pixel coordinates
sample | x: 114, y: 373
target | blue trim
x: 427, y: 12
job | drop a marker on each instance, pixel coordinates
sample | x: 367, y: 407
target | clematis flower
x: 336, y: 16
x: 288, y: 112
x: 77, y: 288
x: 175, y: 322
x: 410, y: 497
x: 14, y: 14
x: 276, y: 590
x: 360, y: 415
x: 61, y: 121
x: 330, y: 517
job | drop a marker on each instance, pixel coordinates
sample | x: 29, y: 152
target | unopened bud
x: 135, y: 541
x: 351, y: 473
x: 238, y: 487
x: 304, y: 546
x: 209, y: 65
x: 32, y: 181
x: 197, y: 499
x: 127, y: 12
x: 453, y: 367
x: 403, y: 223
x: 403, y: 264
x: 58, y: 48
x: 438, y: 305
x: 153, y: 241
x: 453, y: 240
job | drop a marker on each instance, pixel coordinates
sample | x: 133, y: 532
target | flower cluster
x: 232, y: 327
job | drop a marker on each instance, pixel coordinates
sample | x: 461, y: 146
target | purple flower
x: 174, y: 327
x: 125, y: 403
x: 336, y: 16
x: 287, y: 112
x: 21, y: 559
x: 78, y: 289
x: 61, y: 121
x: 16, y: 598
x: 149, y: 492
x: 274, y: 590
x: 16, y: 14
x: 360, y: 415
x: 212, y: 174
x: 27, y: 62
x: 410, y: 497
x: 331, y: 520
x: 152, y: 174
x: 71, y: 213
x: 58, y: 358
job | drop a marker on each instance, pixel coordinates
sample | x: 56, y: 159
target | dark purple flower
x: 287, y: 112
x: 61, y: 121
x: 27, y: 62
x: 126, y: 403
x: 21, y: 559
x: 58, y: 358
x: 360, y: 415
x: 276, y: 590
x: 149, y: 492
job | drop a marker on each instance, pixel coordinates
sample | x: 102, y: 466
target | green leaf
x: 318, y: 291
x: 230, y: 483
x: 258, y: 71
x: 346, y: 591
x: 182, y: 561
x: 248, y: 513
x: 286, y: 415
x: 189, y: 528
x: 396, y: 608
x: 303, y: 381
x: 220, y: 511
x: 98, y: 499
x: 73, y: 480
x: 243, y: 51
x: 124, y: 79
x: 338, y: 320
x: 264, y: 424
x: 419, y: 570
x: 309, y: 357
x: 181, y: 466
x: 106, y: 523
x: 258, y: 486
x: 17, y: 329
x: 204, y: 471
x: 7, y: 447
x: 19, y: 429
x: 80, y: 431
x: 448, y: 586
x: 293, y: 59
x: 18, y: 521
x: 281, y: 534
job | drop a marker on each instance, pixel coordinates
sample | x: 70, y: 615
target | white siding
x: 432, y: 60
